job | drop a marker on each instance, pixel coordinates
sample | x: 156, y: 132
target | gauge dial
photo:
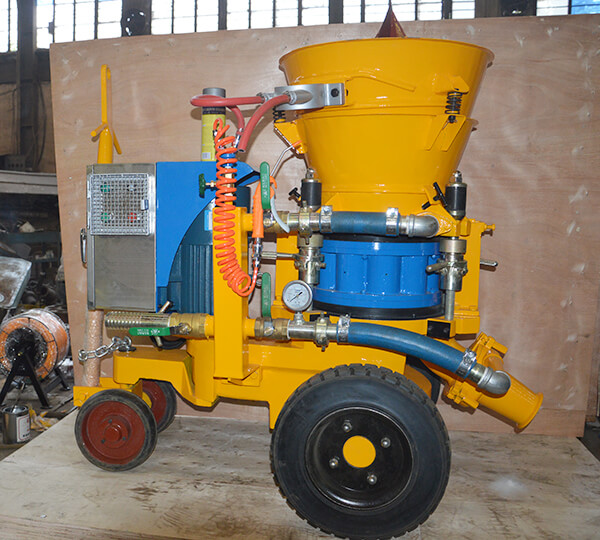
x: 297, y: 295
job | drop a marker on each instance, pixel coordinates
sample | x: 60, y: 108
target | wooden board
x: 210, y: 478
x: 530, y: 165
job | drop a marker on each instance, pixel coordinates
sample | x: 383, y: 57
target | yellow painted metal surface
x: 105, y: 132
x: 208, y: 143
x: 392, y: 137
x: 519, y: 404
x: 359, y: 452
x: 175, y: 367
x: 82, y: 393
x: 230, y: 312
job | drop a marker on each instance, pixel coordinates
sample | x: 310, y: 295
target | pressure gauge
x: 297, y: 295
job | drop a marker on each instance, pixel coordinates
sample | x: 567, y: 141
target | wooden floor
x: 210, y: 478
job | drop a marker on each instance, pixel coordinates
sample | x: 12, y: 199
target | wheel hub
x: 116, y: 432
x: 113, y: 433
x: 359, y: 457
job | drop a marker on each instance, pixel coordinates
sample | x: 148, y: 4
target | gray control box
x: 121, y: 236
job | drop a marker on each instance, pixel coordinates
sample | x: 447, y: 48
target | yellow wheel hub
x: 359, y: 452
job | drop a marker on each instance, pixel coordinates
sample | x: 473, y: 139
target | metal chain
x: 104, y: 350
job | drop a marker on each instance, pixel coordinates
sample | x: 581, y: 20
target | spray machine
x: 376, y: 274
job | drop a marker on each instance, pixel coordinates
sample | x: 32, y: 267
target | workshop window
x: 185, y: 16
x: 463, y: 9
x: 76, y: 20
x: 8, y: 25
x: 565, y: 7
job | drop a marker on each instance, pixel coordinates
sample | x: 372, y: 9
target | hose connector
x: 486, y: 378
x: 490, y: 380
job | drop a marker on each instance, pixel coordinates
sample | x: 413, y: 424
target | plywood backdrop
x: 531, y: 167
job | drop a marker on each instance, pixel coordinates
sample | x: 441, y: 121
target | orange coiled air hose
x: 224, y: 244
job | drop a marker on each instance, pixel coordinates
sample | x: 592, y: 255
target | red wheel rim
x: 113, y: 433
x: 158, y: 399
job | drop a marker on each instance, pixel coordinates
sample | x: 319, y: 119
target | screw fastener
x: 385, y: 442
x: 334, y: 463
x: 372, y: 479
x: 347, y: 426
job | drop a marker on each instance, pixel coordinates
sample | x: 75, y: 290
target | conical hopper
x: 393, y: 135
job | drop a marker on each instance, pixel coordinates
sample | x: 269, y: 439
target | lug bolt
x: 347, y: 426
x: 372, y: 479
x: 334, y: 463
x: 385, y: 442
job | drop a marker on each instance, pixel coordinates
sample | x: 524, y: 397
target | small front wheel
x: 163, y: 401
x: 115, y: 430
x: 361, y: 452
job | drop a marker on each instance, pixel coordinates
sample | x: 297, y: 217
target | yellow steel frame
x: 232, y: 364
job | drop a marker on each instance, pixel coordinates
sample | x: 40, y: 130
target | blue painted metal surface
x: 190, y: 279
x: 184, y: 233
x: 378, y: 275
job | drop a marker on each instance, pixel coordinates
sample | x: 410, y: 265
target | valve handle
x: 438, y: 197
x: 265, y: 297
x: 265, y: 185
x: 295, y: 195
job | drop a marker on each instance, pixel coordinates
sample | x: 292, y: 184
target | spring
x: 238, y: 280
x: 278, y: 116
x: 453, y: 105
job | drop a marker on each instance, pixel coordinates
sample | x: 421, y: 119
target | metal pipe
x: 389, y: 223
x: 449, y: 300
x: 92, y: 340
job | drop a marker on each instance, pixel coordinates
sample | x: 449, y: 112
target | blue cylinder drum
x: 372, y: 277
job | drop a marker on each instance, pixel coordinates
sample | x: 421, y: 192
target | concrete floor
x: 210, y: 478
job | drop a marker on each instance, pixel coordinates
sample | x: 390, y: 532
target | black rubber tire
x: 412, y: 478
x: 115, y: 430
x: 163, y: 397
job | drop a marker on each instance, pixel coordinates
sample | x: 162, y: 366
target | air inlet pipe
x: 389, y: 223
x: 464, y: 364
x: 382, y: 224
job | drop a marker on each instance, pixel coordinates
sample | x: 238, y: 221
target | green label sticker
x: 150, y: 332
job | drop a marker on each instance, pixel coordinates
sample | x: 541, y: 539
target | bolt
x: 334, y: 462
x: 347, y: 426
x: 372, y: 479
x: 385, y: 442
x: 103, y: 441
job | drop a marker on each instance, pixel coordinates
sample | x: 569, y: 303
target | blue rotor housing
x: 372, y: 277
